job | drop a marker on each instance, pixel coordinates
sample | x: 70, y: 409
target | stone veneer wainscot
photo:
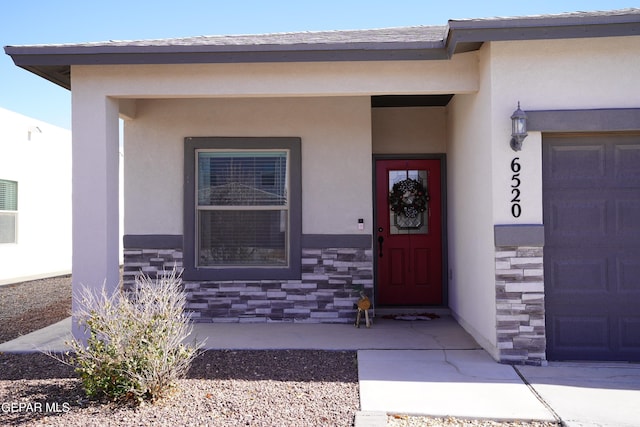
x: 519, y: 278
x: 325, y: 292
x: 520, y: 305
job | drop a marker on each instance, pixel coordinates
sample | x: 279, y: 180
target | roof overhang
x: 54, y: 62
x: 468, y: 35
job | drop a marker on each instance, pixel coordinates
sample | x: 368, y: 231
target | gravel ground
x: 223, y: 388
x: 29, y: 306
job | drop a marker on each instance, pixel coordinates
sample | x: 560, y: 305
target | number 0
x: 516, y: 210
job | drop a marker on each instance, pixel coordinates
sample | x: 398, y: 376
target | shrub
x: 135, y: 349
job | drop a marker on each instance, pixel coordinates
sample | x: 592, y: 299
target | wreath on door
x: 408, y: 198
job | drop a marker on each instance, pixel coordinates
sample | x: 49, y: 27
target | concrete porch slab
x: 441, y: 333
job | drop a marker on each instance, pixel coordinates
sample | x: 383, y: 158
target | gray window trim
x: 293, y: 271
x: 309, y: 241
x: 324, y: 241
x: 152, y: 241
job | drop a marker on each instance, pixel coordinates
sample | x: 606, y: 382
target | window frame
x: 243, y: 207
x: 192, y: 271
x: 12, y: 212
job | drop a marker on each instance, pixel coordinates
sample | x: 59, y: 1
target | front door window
x: 408, y: 207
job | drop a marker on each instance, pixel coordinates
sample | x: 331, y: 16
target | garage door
x: 591, y: 188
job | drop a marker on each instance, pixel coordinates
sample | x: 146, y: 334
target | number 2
x: 516, y: 198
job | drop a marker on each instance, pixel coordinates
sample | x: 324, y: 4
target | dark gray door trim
x: 443, y: 193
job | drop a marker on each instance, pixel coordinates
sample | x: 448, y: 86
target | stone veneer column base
x: 325, y: 293
x: 520, y: 305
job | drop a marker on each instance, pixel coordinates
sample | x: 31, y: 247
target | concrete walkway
x: 429, y: 368
x: 464, y: 383
x: 589, y: 394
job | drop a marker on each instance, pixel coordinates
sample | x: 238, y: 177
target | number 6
x: 515, y: 166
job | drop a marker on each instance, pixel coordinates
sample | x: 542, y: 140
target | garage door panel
x: 628, y: 217
x: 629, y: 331
x: 591, y: 209
x: 576, y: 274
x: 612, y: 221
x: 628, y: 273
x: 590, y: 272
x: 570, y: 218
x: 581, y: 333
x: 627, y: 165
x: 575, y: 165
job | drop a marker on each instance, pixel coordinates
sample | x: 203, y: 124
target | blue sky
x: 75, y: 21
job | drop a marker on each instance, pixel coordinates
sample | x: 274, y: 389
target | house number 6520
x: 516, y: 209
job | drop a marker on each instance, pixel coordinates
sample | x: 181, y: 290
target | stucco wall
x: 552, y: 75
x: 41, y: 164
x: 542, y: 75
x: 409, y: 130
x: 336, y: 156
x: 471, y: 248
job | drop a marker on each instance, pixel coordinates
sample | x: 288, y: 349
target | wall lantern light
x: 518, y: 128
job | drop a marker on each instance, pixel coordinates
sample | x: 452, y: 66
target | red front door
x: 408, y: 232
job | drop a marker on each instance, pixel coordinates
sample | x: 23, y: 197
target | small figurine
x: 363, y: 304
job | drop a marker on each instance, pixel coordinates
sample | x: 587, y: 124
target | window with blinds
x: 8, y: 211
x: 242, y: 208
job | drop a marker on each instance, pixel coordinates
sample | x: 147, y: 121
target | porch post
x: 95, y: 195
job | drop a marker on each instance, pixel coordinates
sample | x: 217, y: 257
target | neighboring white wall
x: 336, y: 156
x: 409, y: 130
x: 38, y: 156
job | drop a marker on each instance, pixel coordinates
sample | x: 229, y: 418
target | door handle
x: 380, y: 241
